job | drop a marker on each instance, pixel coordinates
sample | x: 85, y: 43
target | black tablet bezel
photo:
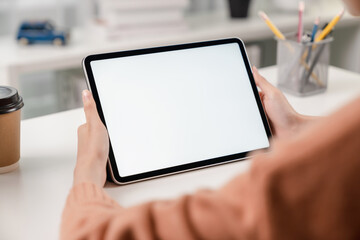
x: 185, y: 167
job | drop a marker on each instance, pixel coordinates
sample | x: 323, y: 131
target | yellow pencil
x: 272, y: 27
x: 330, y: 26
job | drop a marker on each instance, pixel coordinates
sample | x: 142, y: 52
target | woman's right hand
x: 283, y: 119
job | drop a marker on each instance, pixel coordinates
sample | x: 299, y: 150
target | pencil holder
x: 303, y: 67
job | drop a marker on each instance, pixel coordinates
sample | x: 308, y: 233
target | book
x: 146, y: 30
x: 128, y: 5
x: 144, y: 17
x: 131, y: 18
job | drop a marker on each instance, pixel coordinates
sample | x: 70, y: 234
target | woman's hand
x: 284, y: 120
x: 93, y: 146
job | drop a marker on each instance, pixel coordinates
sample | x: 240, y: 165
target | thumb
x: 261, y: 82
x: 91, y: 113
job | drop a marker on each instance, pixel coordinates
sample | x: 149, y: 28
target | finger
x: 261, y: 95
x: 261, y: 82
x: 91, y: 114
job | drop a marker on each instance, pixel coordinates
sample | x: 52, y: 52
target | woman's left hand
x: 93, y: 146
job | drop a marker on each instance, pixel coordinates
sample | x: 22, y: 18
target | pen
x: 313, y: 65
x: 307, y: 54
x: 315, y: 28
x: 313, y: 34
x: 316, y: 59
x: 301, y: 25
x: 330, y: 26
x: 272, y: 27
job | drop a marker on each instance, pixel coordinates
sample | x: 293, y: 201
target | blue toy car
x: 41, y: 31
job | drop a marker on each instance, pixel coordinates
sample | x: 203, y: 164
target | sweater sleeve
x: 91, y: 214
x: 305, y: 188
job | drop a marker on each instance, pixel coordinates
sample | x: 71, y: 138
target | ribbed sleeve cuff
x: 89, y: 193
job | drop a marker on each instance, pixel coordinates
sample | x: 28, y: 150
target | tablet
x: 177, y: 108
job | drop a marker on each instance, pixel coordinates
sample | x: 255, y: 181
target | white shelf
x: 17, y: 59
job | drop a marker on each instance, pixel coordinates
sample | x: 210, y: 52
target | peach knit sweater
x: 307, y: 187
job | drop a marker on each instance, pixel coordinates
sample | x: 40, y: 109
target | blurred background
x: 49, y: 75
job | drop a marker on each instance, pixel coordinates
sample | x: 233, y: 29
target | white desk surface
x: 32, y: 198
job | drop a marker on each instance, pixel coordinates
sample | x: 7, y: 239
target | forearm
x: 286, y: 194
x: 90, y: 213
x: 272, y: 201
x: 305, y: 120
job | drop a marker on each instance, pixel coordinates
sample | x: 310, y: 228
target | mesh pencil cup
x: 303, y: 67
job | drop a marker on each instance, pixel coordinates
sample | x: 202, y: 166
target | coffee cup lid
x: 10, y: 100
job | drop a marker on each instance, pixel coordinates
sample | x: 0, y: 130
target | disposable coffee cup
x: 10, y: 108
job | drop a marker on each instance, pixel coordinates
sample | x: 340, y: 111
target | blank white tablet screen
x: 172, y: 108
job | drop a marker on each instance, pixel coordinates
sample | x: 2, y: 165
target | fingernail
x: 86, y: 95
x: 255, y: 69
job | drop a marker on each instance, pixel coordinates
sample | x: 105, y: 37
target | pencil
x: 330, y: 26
x: 272, y: 27
x: 300, y: 25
